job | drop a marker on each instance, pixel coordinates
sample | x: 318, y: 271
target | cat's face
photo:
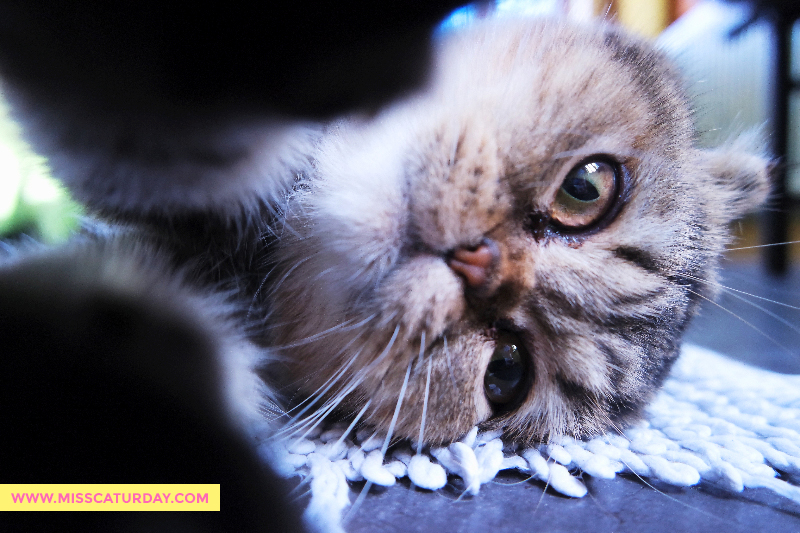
x: 522, y: 244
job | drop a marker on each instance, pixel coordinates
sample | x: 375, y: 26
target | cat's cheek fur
x: 421, y: 294
x: 357, y: 212
x: 456, y: 378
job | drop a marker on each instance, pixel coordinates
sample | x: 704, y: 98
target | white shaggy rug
x: 715, y: 421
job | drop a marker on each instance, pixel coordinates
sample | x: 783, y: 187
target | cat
x: 518, y: 245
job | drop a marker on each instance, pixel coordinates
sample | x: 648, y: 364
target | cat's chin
x: 473, y: 373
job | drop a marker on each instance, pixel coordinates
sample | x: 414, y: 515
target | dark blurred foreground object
x: 99, y: 386
x: 157, y: 107
x: 102, y: 386
x: 297, y: 59
x: 781, y: 15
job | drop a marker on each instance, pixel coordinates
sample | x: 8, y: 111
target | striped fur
x: 360, y: 286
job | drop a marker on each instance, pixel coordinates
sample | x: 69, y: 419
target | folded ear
x: 741, y: 176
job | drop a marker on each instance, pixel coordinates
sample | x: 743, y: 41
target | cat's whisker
x: 359, y: 376
x: 298, y: 423
x: 293, y: 385
x: 351, y: 385
x: 424, y: 407
x: 266, y: 233
x: 421, y: 349
x: 299, y: 496
x: 353, y: 423
x: 308, y: 424
x: 461, y: 496
x: 544, y: 491
x: 732, y: 292
x: 355, y: 381
x: 287, y: 226
x: 768, y: 337
x: 386, y: 350
x: 254, y: 299
x: 388, y: 319
x: 339, y: 328
x: 521, y: 482
x: 731, y: 289
x: 396, y: 414
x: 614, y: 367
x: 288, y: 273
x: 621, y: 433
x: 688, y: 506
x: 321, y: 391
x: 279, y: 325
x: 386, y: 441
x: 762, y: 245
x: 358, y: 273
x: 373, y: 268
x: 323, y: 273
x: 303, y: 482
x: 613, y: 425
x: 319, y: 416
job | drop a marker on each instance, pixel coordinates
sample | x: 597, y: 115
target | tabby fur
x: 362, y: 289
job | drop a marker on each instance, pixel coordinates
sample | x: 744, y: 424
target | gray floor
x: 767, y: 336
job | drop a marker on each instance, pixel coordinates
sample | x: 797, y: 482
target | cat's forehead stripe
x: 655, y: 79
x: 639, y: 257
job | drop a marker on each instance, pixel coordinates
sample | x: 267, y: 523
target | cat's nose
x: 476, y: 264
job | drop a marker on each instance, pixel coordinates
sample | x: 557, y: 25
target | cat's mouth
x: 509, y: 374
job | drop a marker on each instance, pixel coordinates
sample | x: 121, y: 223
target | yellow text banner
x: 109, y: 497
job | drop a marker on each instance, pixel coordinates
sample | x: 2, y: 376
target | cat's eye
x: 506, y: 376
x: 586, y: 194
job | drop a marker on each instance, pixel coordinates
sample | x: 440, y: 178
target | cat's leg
x: 113, y: 371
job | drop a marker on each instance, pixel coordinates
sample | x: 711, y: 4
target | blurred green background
x: 32, y: 203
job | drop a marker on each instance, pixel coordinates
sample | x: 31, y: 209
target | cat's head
x: 520, y: 246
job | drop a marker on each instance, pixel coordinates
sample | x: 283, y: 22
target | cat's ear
x: 740, y: 174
